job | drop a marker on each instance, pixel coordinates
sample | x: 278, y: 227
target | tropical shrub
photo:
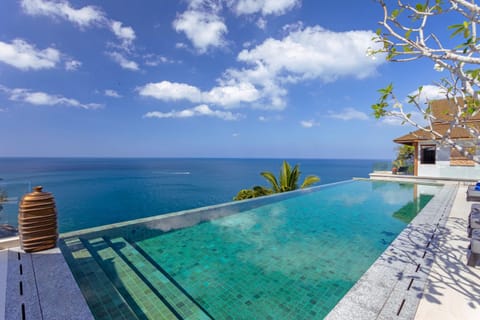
x: 287, y: 181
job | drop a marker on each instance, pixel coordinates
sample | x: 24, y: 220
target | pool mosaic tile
x: 104, y: 300
x: 128, y: 283
x: 185, y: 307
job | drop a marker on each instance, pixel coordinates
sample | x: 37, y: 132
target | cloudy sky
x: 196, y: 78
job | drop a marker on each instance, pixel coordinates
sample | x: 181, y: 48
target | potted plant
x: 396, y: 165
x: 394, y: 170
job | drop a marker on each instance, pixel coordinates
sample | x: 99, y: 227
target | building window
x: 428, y: 155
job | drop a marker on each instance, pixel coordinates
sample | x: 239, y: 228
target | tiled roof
x: 442, y: 110
x: 418, y: 135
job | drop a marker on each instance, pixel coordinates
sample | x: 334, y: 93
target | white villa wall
x: 442, y: 167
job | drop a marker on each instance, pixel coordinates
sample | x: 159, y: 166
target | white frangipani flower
x: 438, y: 67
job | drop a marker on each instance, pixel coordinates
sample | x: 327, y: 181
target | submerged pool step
x: 159, y: 283
x: 90, y: 277
x: 128, y: 283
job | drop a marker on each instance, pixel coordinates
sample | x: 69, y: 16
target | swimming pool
x: 292, y: 256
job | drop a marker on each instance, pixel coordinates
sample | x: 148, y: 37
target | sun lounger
x: 473, y: 222
x: 472, y: 194
x: 475, y: 207
x: 473, y: 254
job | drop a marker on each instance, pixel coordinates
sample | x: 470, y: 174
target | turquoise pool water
x: 290, y: 259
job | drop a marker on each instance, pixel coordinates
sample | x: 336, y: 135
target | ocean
x: 91, y: 192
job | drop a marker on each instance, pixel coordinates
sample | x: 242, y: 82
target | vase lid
x: 37, y: 195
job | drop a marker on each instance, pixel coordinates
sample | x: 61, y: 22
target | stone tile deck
x: 39, y: 286
x: 453, y: 288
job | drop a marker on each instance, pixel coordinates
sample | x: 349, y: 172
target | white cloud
x: 83, y: 17
x: 123, y: 62
x: 125, y: 34
x: 318, y: 53
x: 229, y: 95
x: 169, y: 91
x: 44, y: 99
x: 154, y: 60
x: 72, y: 65
x: 223, y: 95
x: 261, y: 23
x: 308, y: 123
x: 392, y: 121
x: 293, y: 27
x: 265, y: 7
x: 201, y: 110
x: 311, y: 53
x: 203, y: 29
x: 429, y: 93
x: 181, y: 45
x: 272, y: 93
x: 25, y: 56
x: 87, y: 16
x: 307, y: 53
x: 112, y: 93
x: 416, y: 117
x: 270, y: 118
x: 348, y: 114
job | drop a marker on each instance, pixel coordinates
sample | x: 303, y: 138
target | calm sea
x: 91, y: 192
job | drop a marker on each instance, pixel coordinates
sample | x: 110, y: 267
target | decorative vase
x: 37, y: 221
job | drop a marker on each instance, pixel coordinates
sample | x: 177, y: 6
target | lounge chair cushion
x: 475, y: 207
x: 475, y: 241
x: 472, y: 194
x: 474, y: 221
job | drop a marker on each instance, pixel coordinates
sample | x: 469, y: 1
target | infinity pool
x: 292, y: 258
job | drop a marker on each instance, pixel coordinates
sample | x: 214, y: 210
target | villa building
x: 434, y: 159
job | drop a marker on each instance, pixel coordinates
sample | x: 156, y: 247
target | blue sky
x: 196, y: 78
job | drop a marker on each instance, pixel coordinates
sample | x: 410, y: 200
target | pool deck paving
x: 453, y: 288
x: 41, y: 286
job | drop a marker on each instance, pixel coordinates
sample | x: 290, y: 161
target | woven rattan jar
x: 37, y: 221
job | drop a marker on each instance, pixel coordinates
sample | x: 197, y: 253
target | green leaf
x: 408, y: 33
x: 411, y: 99
x: 379, y: 109
x: 420, y: 7
x: 272, y: 180
x: 473, y: 73
x: 309, y: 181
x: 457, y: 29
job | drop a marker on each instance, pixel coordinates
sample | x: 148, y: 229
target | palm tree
x: 288, y: 179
